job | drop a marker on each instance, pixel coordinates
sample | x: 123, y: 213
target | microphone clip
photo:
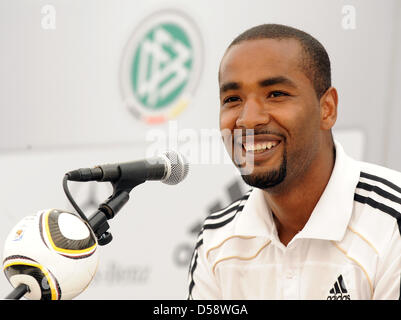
x: 109, y: 208
x: 98, y: 221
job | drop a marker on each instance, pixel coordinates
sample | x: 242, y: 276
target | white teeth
x: 260, y: 146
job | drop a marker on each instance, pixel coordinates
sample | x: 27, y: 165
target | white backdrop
x: 61, y: 108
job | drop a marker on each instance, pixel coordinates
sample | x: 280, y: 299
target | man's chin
x: 265, y: 180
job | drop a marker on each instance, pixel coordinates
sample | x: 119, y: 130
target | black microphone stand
x: 18, y: 292
x: 110, y: 207
x: 106, y: 211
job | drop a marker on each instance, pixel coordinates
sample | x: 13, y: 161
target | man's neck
x: 293, y: 206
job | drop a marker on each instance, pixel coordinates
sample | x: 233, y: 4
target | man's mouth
x: 252, y: 149
x: 259, y: 147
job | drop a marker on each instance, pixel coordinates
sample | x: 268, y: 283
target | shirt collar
x: 330, y: 217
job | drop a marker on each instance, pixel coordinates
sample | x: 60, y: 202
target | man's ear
x: 328, y: 108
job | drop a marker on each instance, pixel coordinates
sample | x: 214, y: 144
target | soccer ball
x: 53, y: 252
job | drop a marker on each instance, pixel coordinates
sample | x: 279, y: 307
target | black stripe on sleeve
x: 382, y: 180
x: 224, y: 212
x: 193, y: 264
x: 192, y: 282
x: 236, y: 208
x: 379, y: 191
x: 380, y: 206
x: 230, y: 208
x: 217, y: 216
x: 222, y: 223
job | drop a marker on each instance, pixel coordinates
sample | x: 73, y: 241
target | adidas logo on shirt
x: 339, y: 291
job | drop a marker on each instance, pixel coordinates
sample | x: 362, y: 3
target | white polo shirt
x: 350, y: 248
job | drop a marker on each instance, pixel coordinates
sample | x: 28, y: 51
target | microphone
x: 171, y: 168
x: 53, y: 254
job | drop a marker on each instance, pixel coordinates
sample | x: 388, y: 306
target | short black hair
x: 315, y: 61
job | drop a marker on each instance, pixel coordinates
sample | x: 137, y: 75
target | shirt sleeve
x: 201, y: 281
x: 388, y: 281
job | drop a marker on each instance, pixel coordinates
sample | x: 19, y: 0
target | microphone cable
x: 71, y: 199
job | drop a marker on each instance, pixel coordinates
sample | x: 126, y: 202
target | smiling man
x: 316, y: 224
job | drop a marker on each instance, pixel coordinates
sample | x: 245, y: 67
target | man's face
x: 264, y: 92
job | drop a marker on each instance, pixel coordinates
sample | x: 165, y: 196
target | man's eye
x: 276, y: 94
x: 231, y: 99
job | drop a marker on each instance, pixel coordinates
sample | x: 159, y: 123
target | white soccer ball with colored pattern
x: 53, y: 252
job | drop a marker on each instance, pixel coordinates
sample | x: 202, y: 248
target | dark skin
x: 264, y: 87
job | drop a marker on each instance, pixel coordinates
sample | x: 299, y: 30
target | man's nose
x: 252, y: 114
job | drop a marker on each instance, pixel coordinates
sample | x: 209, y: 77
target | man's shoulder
x: 221, y: 223
x: 379, y: 173
x: 380, y: 188
x: 378, y: 203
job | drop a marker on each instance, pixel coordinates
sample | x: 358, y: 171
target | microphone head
x: 53, y: 253
x: 177, y: 167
